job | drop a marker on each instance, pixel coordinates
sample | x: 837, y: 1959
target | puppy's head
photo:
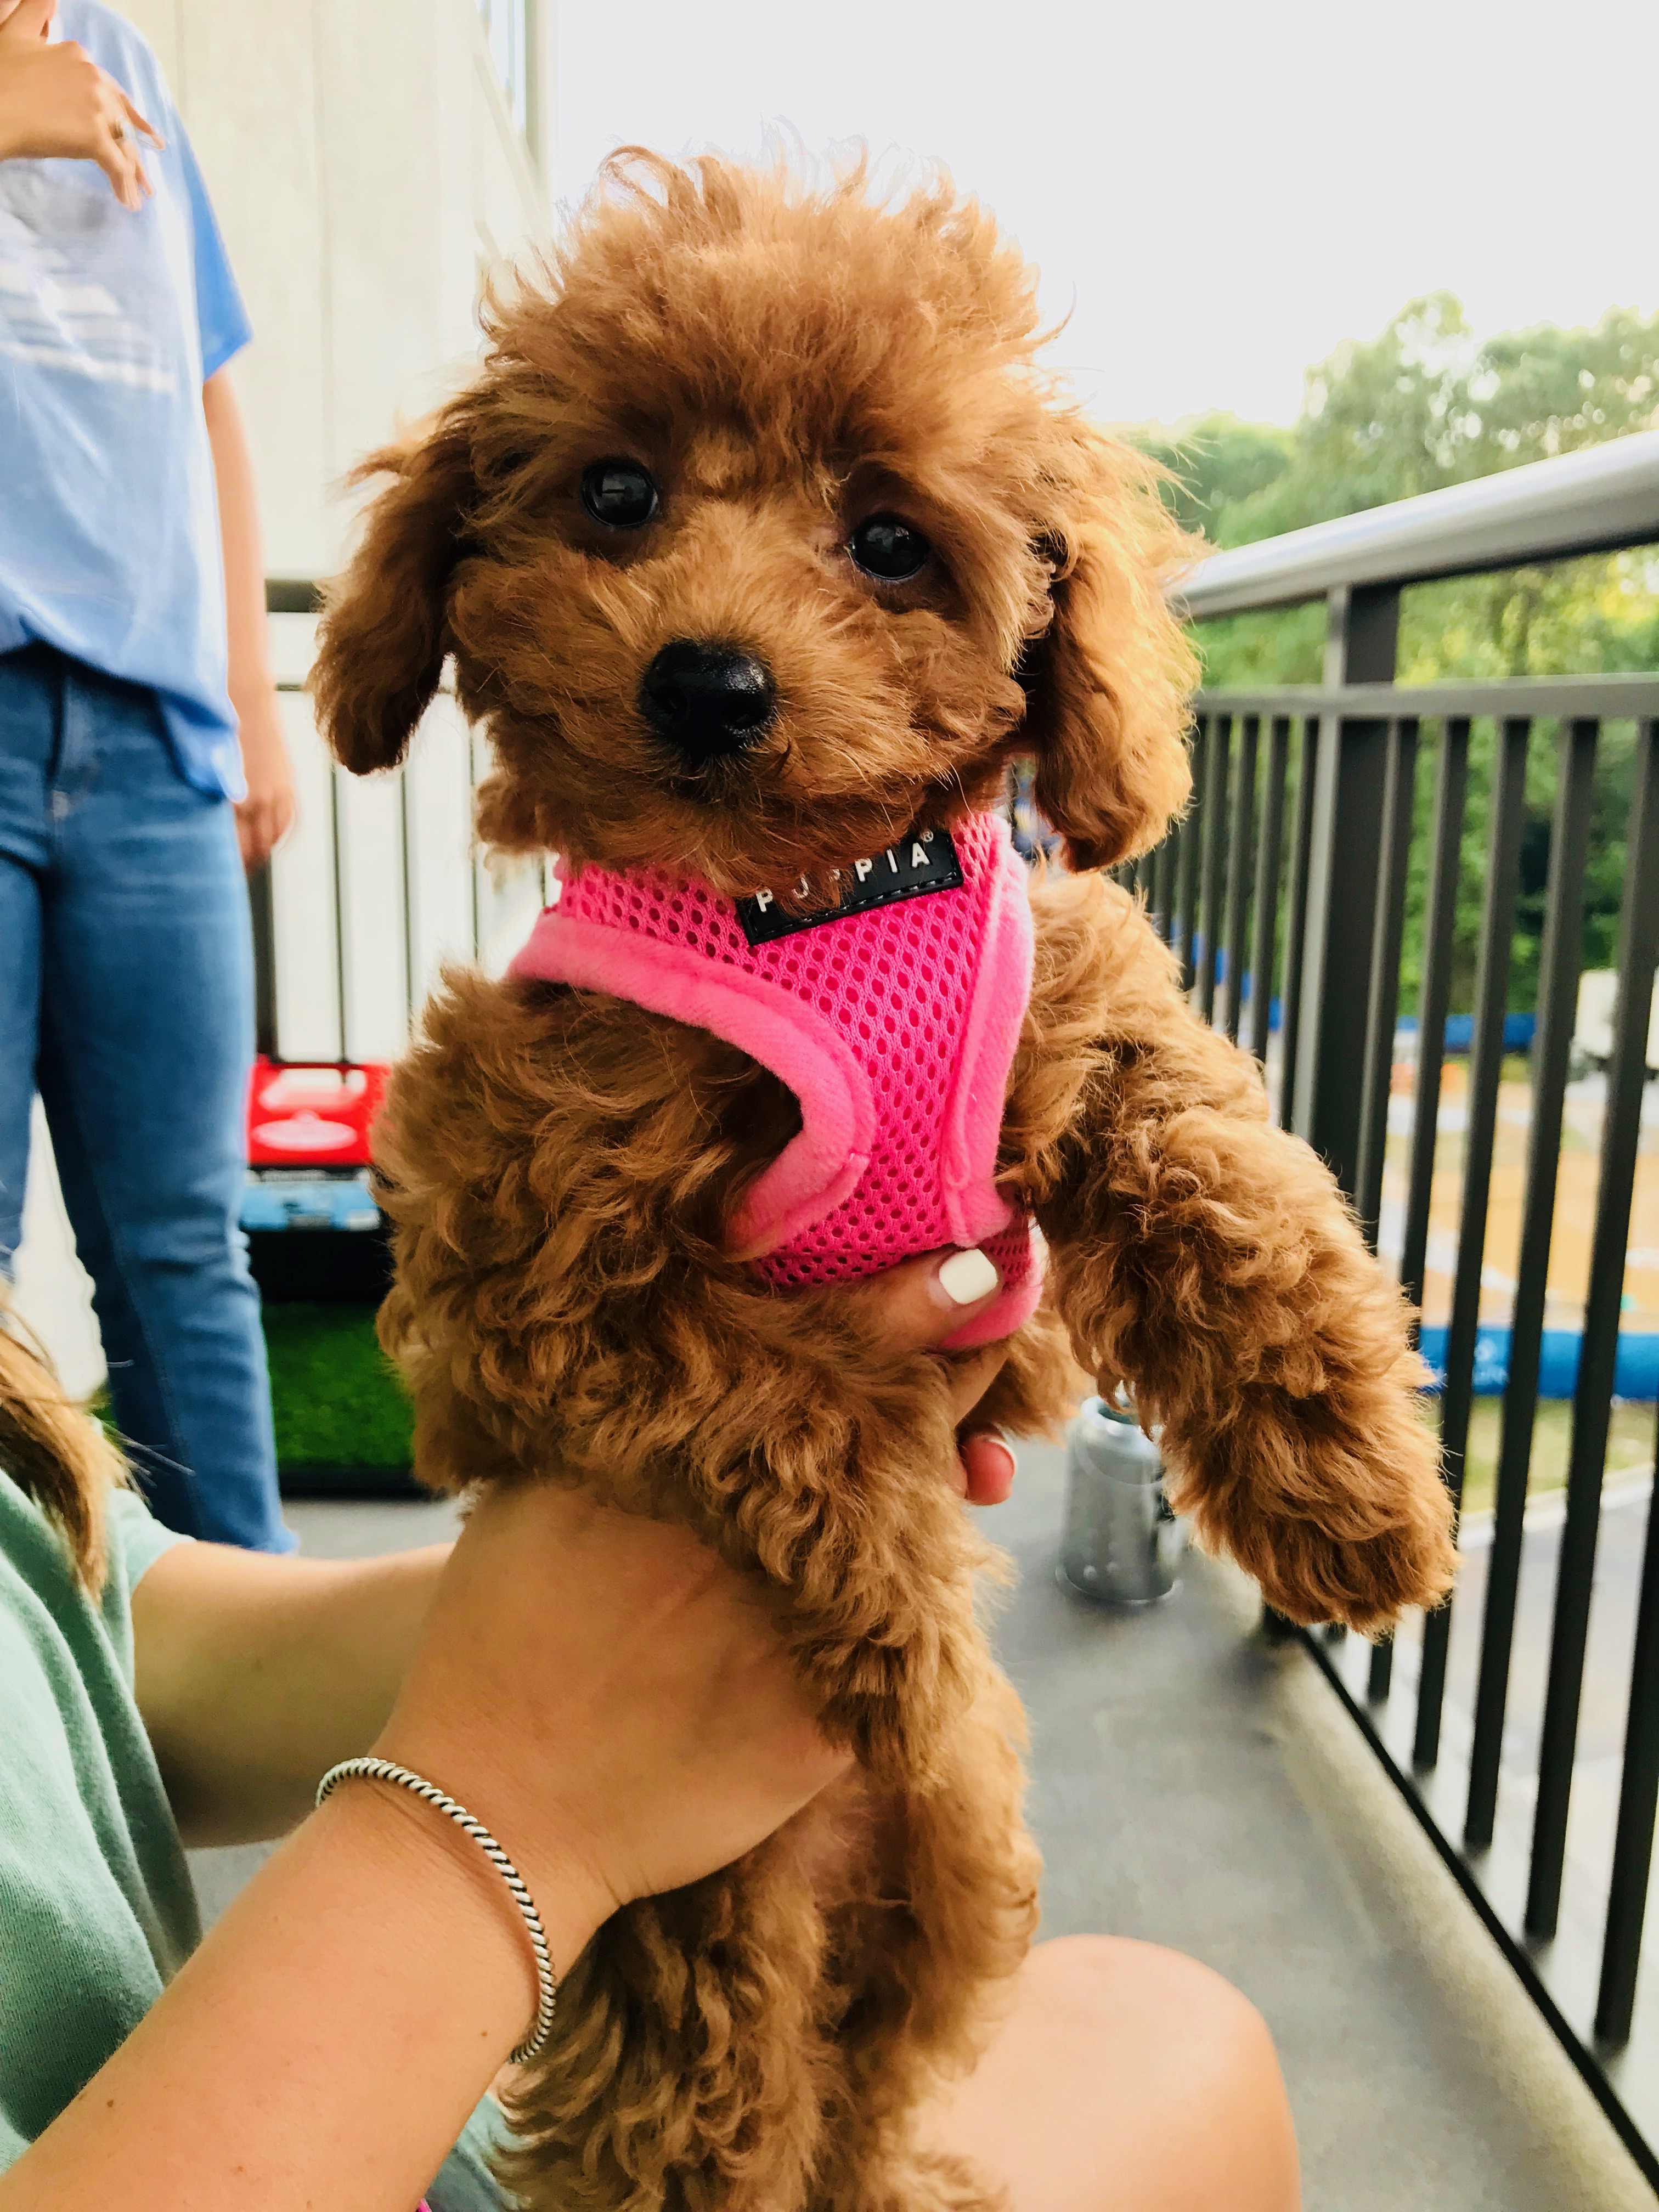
x: 760, y: 537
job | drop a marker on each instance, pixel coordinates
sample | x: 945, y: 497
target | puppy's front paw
x: 1311, y: 1576
x: 1334, y: 1529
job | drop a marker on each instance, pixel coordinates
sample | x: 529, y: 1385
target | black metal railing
x: 1289, y: 915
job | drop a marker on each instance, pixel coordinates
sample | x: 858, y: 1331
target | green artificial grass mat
x: 337, y: 1400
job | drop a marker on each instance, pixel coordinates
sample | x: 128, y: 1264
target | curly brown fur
x: 784, y: 360
x: 561, y: 1168
x: 1208, y: 1259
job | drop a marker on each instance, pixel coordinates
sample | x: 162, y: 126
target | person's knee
x: 1109, y: 1972
x: 1209, y: 2056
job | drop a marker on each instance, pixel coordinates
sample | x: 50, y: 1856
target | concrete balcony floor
x: 1193, y: 1785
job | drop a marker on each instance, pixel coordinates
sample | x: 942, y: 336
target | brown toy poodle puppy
x: 787, y: 430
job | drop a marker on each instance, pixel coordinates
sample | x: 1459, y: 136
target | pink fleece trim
x: 973, y: 1120
x: 818, y: 1169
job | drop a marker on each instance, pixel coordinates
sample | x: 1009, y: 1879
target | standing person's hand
x: 264, y: 817
x: 55, y: 99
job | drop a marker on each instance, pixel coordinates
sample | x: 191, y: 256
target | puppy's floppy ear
x: 1108, y: 681
x: 383, y: 633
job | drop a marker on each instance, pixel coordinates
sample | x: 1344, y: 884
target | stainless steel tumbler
x: 1121, y: 1543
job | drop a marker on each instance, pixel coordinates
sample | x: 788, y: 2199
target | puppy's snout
x: 707, y: 700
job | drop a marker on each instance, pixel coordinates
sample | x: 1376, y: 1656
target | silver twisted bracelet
x: 547, y: 1982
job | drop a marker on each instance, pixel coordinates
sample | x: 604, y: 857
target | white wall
x: 364, y: 168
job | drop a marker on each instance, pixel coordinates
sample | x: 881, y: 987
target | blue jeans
x: 127, y: 996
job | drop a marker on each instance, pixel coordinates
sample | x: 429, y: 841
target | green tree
x: 1424, y: 404
x: 1215, y: 464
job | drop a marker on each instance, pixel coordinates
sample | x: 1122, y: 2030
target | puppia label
x: 924, y: 861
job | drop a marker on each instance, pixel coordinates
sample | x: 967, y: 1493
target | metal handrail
x: 1619, y: 697
x: 1598, y: 501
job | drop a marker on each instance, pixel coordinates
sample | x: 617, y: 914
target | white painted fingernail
x: 966, y: 1277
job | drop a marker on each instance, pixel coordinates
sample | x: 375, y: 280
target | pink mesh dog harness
x: 893, y: 1017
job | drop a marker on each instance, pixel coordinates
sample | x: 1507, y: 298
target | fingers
x: 987, y: 1466
x: 971, y: 1374
x: 139, y: 122
x: 263, y: 820
x: 984, y: 1469
x: 921, y: 1302
x: 30, y: 19
x: 113, y: 136
x: 122, y: 167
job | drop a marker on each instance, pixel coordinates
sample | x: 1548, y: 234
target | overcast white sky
x: 1225, y: 190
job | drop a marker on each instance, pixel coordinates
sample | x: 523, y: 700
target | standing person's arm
x: 264, y: 816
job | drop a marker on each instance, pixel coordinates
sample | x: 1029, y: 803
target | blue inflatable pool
x: 1636, y: 1375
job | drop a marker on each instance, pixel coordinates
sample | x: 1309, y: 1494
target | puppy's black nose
x: 707, y: 700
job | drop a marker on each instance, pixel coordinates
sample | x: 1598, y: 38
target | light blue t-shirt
x: 110, y: 325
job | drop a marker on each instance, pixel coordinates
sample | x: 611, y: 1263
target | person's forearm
x: 246, y: 634
x: 266, y: 812
x: 322, y: 2050
x: 254, y: 1675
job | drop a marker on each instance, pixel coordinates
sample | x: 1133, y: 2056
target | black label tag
x: 922, y: 860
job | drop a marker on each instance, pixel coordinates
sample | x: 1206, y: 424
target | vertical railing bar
x: 1264, y: 949
x: 1639, y: 1802
x: 1439, y: 924
x: 1295, y: 921
x: 263, y: 920
x: 1215, y: 831
x: 1163, y: 870
x: 1390, y: 932
x: 1399, y: 789
x: 1563, y: 928
x: 1238, y: 871
x: 339, y: 856
x: 1192, y: 838
x: 1639, y: 952
x: 1170, y: 864
x: 412, y: 948
x: 1486, y: 1066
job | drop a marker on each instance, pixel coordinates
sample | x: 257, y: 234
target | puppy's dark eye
x: 888, y: 547
x: 619, y: 494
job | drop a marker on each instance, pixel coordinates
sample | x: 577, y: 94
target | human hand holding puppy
x: 611, y: 1699
x: 675, y: 1737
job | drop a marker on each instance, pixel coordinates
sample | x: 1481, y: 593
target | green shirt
x: 96, y: 1907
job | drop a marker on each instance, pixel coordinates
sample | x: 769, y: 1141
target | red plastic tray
x: 312, y: 1116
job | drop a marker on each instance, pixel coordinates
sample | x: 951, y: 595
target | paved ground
x: 1196, y: 1787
